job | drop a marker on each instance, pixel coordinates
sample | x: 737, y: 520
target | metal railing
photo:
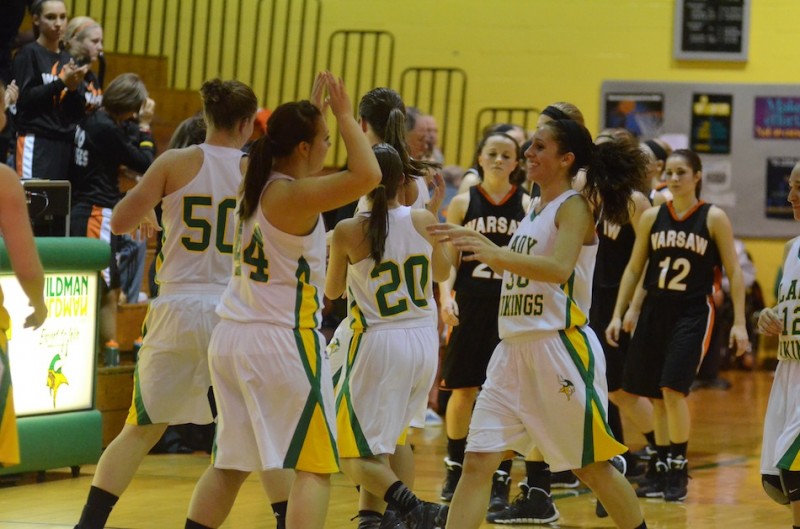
x: 209, y: 38
x: 365, y: 60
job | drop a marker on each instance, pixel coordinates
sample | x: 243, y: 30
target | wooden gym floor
x: 724, y: 491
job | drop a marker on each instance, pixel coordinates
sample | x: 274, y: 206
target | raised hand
x: 337, y: 96
x: 318, y: 98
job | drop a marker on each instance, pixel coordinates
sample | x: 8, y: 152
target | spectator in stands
x: 7, y: 131
x: 101, y: 146
x: 84, y: 42
x: 51, y: 100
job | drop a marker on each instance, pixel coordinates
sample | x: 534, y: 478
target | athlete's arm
x: 138, y: 203
x: 721, y: 231
x: 769, y: 321
x: 639, y: 204
x: 456, y: 212
x: 336, y: 278
x: 293, y: 206
x: 633, y: 271
x: 18, y: 237
x: 440, y: 262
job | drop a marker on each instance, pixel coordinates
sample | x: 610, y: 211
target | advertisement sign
x: 711, y: 123
x: 642, y: 113
x: 777, y: 118
x: 778, y: 171
x: 52, y: 367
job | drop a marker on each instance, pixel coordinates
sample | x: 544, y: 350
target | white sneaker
x: 432, y: 418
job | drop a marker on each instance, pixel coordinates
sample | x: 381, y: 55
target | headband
x: 657, y: 149
x: 555, y: 113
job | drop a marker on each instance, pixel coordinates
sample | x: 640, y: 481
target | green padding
x: 58, y: 441
x: 64, y: 254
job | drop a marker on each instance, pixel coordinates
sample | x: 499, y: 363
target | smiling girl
x: 545, y: 384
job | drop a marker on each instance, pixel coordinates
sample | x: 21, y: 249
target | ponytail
x: 391, y: 178
x: 255, y: 178
x: 384, y: 111
x: 614, y: 170
x: 378, y: 225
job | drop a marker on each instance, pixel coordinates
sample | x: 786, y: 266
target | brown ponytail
x: 391, y: 179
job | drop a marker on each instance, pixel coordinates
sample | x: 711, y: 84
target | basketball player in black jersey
x: 683, y: 243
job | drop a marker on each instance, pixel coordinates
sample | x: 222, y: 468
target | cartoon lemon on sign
x: 55, y: 377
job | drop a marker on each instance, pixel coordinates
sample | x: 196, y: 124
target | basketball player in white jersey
x: 780, y: 470
x: 387, y: 262
x: 272, y: 381
x: 197, y: 187
x: 545, y: 383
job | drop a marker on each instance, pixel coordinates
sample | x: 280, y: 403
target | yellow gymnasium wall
x: 529, y: 53
x: 512, y: 53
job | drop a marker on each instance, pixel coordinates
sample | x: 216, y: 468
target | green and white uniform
x: 272, y: 381
x: 171, y: 380
x: 546, y: 384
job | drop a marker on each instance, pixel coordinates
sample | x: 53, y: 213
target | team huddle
x: 570, y: 267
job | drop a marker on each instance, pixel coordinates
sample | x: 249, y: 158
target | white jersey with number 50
x: 198, y: 222
x: 527, y: 305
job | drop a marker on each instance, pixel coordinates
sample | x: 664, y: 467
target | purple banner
x: 777, y: 118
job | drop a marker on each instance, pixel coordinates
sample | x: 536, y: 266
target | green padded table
x: 53, y: 369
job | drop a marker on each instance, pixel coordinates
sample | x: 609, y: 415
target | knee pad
x: 791, y: 484
x: 774, y: 489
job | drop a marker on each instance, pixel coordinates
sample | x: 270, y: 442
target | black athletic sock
x: 455, y: 449
x: 615, y: 422
x: 651, y: 437
x: 677, y: 450
x: 401, y: 498
x: 369, y: 519
x: 190, y: 524
x: 643, y: 526
x: 98, y: 508
x: 538, y: 475
x: 279, y: 510
x: 505, y: 466
x: 662, y: 452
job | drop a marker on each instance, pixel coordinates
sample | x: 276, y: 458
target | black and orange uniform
x: 101, y: 146
x: 477, y: 291
x: 615, y: 245
x: 677, y: 318
x: 47, y: 113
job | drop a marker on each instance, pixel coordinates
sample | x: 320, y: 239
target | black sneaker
x: 655, y: 485
x: 531, y: 506
x: 646, y: 453
x: 677, y: 480
x: 619, y: 463
x: 501, y: 482
x: 392, y: 520
x: 427, y: 515
x: 451, y: 479
x: 565, y: 479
